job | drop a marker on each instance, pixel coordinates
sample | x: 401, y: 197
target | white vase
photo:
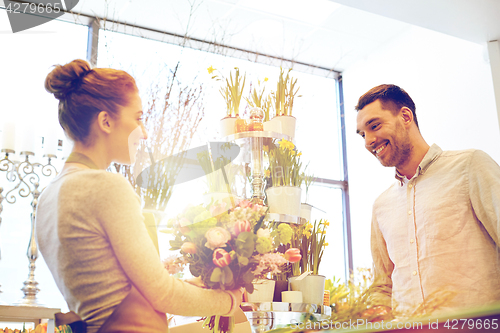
x: 312, y: 288
x: 273, y: 125
x: 227, y: 126
x: 284, y: 200
x: 305, y: 211
x: 263, y: 291
x: 287, y: 125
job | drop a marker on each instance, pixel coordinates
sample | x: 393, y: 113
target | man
x: 437, y: 228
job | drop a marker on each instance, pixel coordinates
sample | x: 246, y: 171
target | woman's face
x: 129, y: 131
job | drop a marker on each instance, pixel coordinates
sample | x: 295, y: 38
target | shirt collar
x: 432, y: 154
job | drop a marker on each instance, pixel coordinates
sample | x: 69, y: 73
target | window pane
x: 30, y: 57
x: 327, y: 204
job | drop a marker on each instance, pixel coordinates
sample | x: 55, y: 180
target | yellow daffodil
x: 283, y: 144
x: 299, y: 154
x: 325, y: 244
x: 307, y: 233
x: 266, y: 79
x: 210, y: 70
x: 265, y: 148
x: 327, y: 223
x: 323, y: 232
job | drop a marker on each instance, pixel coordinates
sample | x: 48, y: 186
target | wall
x: 451, y: 84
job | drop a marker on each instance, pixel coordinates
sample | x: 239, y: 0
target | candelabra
x: 25, y: 175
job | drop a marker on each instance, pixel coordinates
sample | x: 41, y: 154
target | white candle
x: 28, y: 140
x: 9, y: 136
x: 291, y: 296
x: 50, y: 143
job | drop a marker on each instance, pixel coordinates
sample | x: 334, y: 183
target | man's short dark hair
x: 391, y: 97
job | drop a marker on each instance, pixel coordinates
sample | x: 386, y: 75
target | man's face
x: 385, y: 136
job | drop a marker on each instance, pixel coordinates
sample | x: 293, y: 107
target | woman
x: 90, y: 227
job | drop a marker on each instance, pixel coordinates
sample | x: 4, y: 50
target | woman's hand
x: 236, y: 297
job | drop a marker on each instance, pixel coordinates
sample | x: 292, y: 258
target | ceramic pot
x: 312, y: 287
x: 287, y: 125
x: 227, y: 126
x: 284, y: 200
x: 263, y: 291
x: 305, y: 211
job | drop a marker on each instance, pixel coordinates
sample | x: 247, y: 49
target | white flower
x: 265, y: 233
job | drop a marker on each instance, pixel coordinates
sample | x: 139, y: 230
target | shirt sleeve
x: 119, y: 212
x: 484, y: 191
x: 382, y: 265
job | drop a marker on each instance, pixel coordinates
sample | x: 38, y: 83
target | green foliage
x: 285, y: 94
x: 285, y: 164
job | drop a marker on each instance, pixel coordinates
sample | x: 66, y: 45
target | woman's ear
x: 407, y: 116
x: 104, y: 121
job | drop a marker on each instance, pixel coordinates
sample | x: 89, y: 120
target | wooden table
x: 28, y: 314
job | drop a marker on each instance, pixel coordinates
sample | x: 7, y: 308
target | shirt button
x: 412, y: 240
x: 414, y: 273
x: 410, y: 186
x: 409, y: 212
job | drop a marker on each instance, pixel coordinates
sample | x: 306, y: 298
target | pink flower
x: 218, y: 209
x: 217, y: 237
x: 293, y: 255
x: 256, y: 207
x: 188, y: 247
x: 245, y: 203
x: 174, y: 264
x: 221, y: 258
x: 269, y: 263
x: 241, y: 226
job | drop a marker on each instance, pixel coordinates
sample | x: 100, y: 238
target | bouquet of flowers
x: 223, y: 247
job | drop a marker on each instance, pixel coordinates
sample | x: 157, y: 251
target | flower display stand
x: 252, y: 143
x: 264, y: 316
x: 270, y: 315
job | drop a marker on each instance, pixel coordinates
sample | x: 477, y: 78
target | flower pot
x: 305, y: 211
x: 227, y: 126
x: 312, y: 287
x: 273, y: 125
x: 263, y: 291
x: 284, y: 200
x: 287, y: 125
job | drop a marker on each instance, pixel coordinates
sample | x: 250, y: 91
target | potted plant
x: 257, y: 100
x: 283, y: 197
x: 311, y: 240
x: 283, y: 99
x: 231, y: 91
